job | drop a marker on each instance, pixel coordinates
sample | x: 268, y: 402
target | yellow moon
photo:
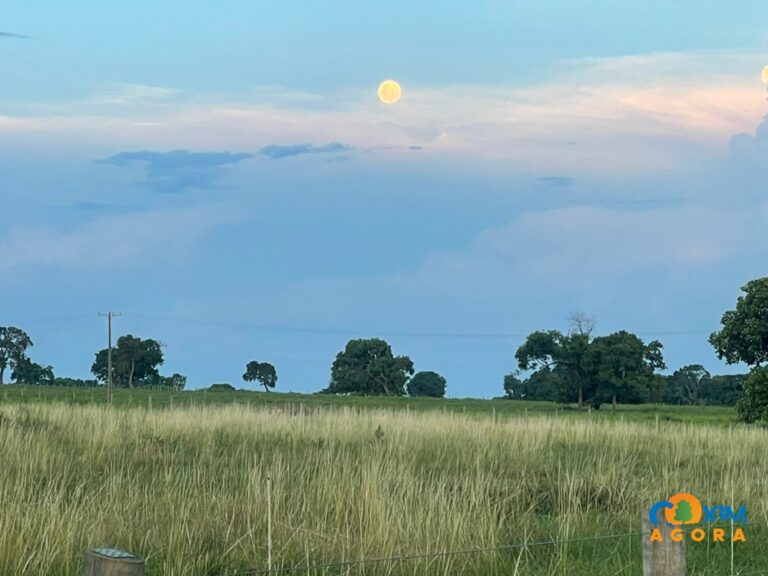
x: 765, y: 74
x: 389, y: 91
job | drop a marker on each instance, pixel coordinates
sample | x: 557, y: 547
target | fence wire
x: 429, y: 555
x: 466, y: 552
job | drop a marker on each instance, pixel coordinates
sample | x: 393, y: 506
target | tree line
x: 572, y: 367
x: 689, y: 385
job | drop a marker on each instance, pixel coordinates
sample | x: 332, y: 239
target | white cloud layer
x: 585, y: 246
x: 628, y: 114
x: 112, y: 241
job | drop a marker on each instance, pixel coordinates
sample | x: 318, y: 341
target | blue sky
x: 226, y: 178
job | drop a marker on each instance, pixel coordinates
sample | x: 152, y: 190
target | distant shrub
x: 221, y: 388
x: 427, y: 384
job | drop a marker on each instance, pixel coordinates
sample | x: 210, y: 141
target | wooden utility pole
x: 109, y: 316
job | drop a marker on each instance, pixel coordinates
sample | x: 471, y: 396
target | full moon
x: 765, y: 74
x: 389, y: 91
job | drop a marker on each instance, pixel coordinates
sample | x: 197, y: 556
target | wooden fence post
x: 107, y: 562
x: 665, y: 558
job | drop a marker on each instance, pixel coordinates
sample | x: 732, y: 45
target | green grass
x: 355, y: 478
x: 501, y: 408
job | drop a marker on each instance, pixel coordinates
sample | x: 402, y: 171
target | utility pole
x: 109, y: 316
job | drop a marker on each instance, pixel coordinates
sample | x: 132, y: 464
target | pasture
x: 185, y: 485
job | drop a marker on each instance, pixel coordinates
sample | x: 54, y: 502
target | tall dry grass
x: 186, y: 488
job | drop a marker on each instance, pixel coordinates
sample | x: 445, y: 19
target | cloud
x: 751, y: 151
x: 127, y: 94
x: 12, y: 35
x: 178, y: 170
x: 567, y: 249
x: 629, y: 115
x: 278, y: 152
x: 112, y: 241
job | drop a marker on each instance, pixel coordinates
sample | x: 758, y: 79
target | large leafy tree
x: 624, y: 366
x: 753, y: 405
x: 564, y: 354
x: 544, y: 384
x: 28, y: 372
x: 367, y: 366
x: 134, y: 360
x: 744, y: 335
x: 427, y: 384
x: 687, y: 385
x: 744, y: 338
x: 263, y: 372
x: 14, y: 343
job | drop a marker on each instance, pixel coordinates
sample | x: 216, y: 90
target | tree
x: 75, y: 383
x: 723, y: 390
x: 744, y: 338
x: 31, y: 373
x: 133, y: 360
x: 624, y: 366
x: 13, y: 347
x: 753, y: 405
x: 544, y: 384
x: 427, y: 384
x: 744, y: 335
x: 369, y: 367
x: 176, y: 382
x: 513, y: 386
x: 223, y: 387
x: 264, y: 372
x: 687, y: 385
x: 565, y: 354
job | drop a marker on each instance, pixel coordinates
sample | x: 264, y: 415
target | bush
x: 221, y: 388
x: 427, y: 384
x: 753, y: 405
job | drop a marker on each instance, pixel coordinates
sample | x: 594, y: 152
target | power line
x: 382, y: 333
x: 346, y: 331
x: 56, y: 319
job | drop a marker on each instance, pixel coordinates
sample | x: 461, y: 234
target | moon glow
x: 389, y: 92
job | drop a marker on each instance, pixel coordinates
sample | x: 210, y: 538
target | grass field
x: 185, y: 485
x: 501, y: 408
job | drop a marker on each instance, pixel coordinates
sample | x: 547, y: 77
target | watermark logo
x: 684, y: 509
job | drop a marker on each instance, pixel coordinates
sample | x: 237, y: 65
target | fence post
x: 665, y: 558
x: 269, y: 523
x: 108, y: 562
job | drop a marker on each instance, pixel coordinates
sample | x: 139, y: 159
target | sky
x: 224, y: 175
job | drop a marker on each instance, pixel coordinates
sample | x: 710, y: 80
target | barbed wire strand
x: 445, y: 553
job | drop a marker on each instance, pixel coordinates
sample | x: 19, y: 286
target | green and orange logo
x: 684, y: 509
